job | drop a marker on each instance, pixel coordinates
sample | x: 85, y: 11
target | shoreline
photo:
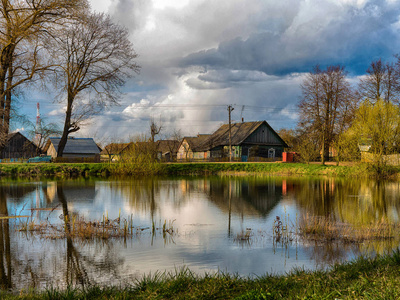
x: 70, y: 170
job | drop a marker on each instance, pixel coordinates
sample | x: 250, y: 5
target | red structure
x: 288, y: 156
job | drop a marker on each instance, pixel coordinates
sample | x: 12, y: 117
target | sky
x: 199, y: 56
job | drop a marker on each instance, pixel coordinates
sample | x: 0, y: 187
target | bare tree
x: 380, y: 82
x: 324, y: 107
x: 95, y: 55
x: 155, y: 129
x: 22, y: 24
x: 41, y: 135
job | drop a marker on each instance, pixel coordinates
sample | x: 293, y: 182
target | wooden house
x: 113, y: 151
x: 167, y: 150
x: 189, y: 148
x: 18, y: 147
x: 76, y: 149
x: 249, y: 140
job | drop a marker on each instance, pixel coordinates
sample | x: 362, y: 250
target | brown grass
x: 327, y: 229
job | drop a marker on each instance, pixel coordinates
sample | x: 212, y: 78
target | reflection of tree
x: 351, y: 200
x: 74, y: 268
x: 78, y: 265
x: 5, y: 251
x: 329, y: 253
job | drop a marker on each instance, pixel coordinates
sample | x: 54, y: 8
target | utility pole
x: 230, y: 108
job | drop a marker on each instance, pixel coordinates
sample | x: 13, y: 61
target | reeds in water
x: 77, y: 227
x: 327, y: 229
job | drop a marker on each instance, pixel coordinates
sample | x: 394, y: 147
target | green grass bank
x: 375, y: 278
x: 173, y: 169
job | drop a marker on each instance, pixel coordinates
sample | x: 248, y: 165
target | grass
x: 365, y: 278
x: 326, y: 229
x: 171, y: 169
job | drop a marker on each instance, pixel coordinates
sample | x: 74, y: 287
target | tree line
x: 63, y: 46
x: 335, y: 114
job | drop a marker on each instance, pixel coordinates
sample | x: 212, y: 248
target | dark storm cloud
x: 354, y: 38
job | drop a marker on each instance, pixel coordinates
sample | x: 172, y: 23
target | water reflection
x: 208, y: 214
x: 5, y: 248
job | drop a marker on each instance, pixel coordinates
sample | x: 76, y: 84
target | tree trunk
x: 67, y: 126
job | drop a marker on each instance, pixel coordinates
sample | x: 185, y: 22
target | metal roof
x: 77, y: 145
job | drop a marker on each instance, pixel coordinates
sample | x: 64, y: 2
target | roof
x: 197, y: 141
x: 239, y: 133
x: 75, y: 145
x: 114, y: 148
x: 165, y: 146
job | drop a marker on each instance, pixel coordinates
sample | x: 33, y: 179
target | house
x: 18, y: 146
x: 76, y: 149
x: 167, y: 149
x: 189, y: 148
x: 249, y: 140
x: 113, y: 151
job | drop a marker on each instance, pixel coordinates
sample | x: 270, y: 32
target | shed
x: 18, y: 146
x: 75, y: 148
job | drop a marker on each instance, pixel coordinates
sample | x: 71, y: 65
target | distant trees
x: 326, y: 107
x: 94, y: 55
x: 380, y: 82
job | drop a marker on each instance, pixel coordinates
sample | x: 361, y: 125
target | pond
x: 208, y: 224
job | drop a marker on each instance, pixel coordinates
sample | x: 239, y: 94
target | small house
x: 167, y: 150
x: 189, y: 148
x: 76, y: 149
x: 19, y: 147
x: 113, y: 151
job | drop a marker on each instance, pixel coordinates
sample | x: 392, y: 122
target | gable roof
x: 196, y: 141
x: 75, y: 145
x: 239, y: 133
x: 166, y: 146
x: 114, y: 148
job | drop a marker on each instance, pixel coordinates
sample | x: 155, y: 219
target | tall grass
x: 139, y: 158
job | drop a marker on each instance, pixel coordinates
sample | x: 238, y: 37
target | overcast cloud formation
x: 199, y: 56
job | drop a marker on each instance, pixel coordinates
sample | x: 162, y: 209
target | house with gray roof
x: 249, y: 140
x: 76, y: 148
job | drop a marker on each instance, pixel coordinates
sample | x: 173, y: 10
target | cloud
x: 320, y: 33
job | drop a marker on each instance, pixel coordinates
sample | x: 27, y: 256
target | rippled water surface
x: 214, y: 224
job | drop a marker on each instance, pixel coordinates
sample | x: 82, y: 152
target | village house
x: 76, y: 149
x: 249, y: 140
x: 112, y: 152
x: 167, y: 150
x: 19, y: 147
x: 188, y: 149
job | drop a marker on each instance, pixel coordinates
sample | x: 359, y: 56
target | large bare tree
x: 326, y: 106
x: 95, y: 57
x: 22, y: 24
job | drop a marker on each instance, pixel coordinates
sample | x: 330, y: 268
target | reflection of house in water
x: 248, y: 196
x: 74, y: 192
x: 17, y: 192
